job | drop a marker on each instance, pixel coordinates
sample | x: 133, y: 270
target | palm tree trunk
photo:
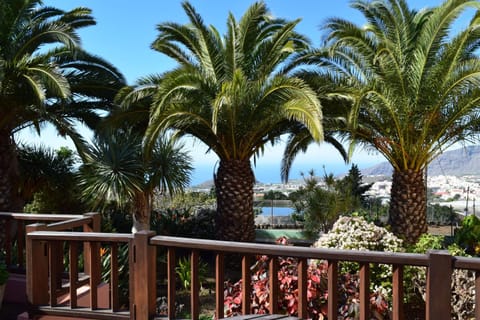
x: 9, y: 200
x: 408, y: 209
x: 234, y: 183
x: 141, y: 213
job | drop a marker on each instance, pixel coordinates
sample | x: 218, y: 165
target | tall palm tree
x: 414, y: 81
x: 116, y: 171
x: 46, y: 77
x: 231, y: 93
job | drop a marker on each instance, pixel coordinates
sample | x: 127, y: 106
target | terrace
x: 60, y: 256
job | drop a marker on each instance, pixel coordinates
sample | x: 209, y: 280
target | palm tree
x: 47, y: 180
x: 45, y: 77
x: 116, y: 171
x: 414, y: 84
x: 232, y: 94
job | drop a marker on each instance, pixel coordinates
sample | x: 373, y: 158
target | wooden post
x: 93, y: 226
x: 36, y: 268
x: 439, y: 279
x: 143, y: 270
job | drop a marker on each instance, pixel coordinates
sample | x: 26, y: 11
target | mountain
x: 459, y: 162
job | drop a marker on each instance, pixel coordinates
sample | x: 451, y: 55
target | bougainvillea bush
x: 317, y: 292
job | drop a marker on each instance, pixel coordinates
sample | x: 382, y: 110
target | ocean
x: 270, y: 173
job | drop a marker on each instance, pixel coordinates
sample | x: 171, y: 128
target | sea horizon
x: 270, y: 173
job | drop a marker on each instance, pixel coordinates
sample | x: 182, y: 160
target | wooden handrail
x: 89, y: 221
x: 292, y: 251
x: 40, y: 216
x: 69, y: 224
x: 142, y: 247
x: 80, y: 236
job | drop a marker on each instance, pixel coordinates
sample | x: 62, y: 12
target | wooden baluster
x: 171, y: 282
x: 246, y: 284
x: 273, y: 285
x: 302, y: 288
x: 194, y: 285
x: 8, y: 241
x: 95, y: 272
x: 114, y: 297
x: 397, y: 293
x: 219, y: 285
x: 477, y: 294
x: 54, y: 252
x: 364, y: 291
x: 73, y: 273
x: 20, y: 244
x: 332, y: 289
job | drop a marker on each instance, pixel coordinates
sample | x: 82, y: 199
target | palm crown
x: 46, y: 77
x: 414, y: 86
x: 234, y: 93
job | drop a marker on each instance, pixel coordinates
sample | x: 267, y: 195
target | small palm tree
x: 45, y: 77
x: 414, y: 87
x: 233, y: 93
x: 116, y: 171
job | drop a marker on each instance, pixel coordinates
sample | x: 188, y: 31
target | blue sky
x: 125, y: 30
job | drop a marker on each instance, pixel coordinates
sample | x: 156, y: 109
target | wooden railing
x: 14, y: 227
x: 43, y: 260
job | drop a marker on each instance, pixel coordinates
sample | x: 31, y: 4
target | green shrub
x: 4, y: 274
x: 184, y: 272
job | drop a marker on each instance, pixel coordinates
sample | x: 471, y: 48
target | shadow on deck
x: 15, y: 303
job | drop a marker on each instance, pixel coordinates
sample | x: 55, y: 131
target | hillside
x: 459, y: 162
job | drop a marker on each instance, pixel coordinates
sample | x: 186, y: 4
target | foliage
x: 185, y: 223
x: 441, y: 215
x: 355, y: 233
x: 184, y: 272
x: 117, y: 172
x: 48, y: 183
x: 235, y: 93
x: 46, y: 78
x: 189, y: 200
x: 319, y: 206
x: 4, y: 274
x: 275, y: 195
x: 123, y: 269
x: 413, y: 79
x: 462, y: 282
x: 468, y: 235
x: 288, y: 299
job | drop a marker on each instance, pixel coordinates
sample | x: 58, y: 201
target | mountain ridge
x: 464, y: 161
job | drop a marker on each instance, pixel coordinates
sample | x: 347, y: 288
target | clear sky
x: 125, y: 30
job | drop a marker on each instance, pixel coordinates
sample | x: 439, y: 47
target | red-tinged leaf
x: 315, y: 278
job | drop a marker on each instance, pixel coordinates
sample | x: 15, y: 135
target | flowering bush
x: 355, y: 233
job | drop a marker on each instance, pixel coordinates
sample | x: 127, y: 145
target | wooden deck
x: 264, y: 316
